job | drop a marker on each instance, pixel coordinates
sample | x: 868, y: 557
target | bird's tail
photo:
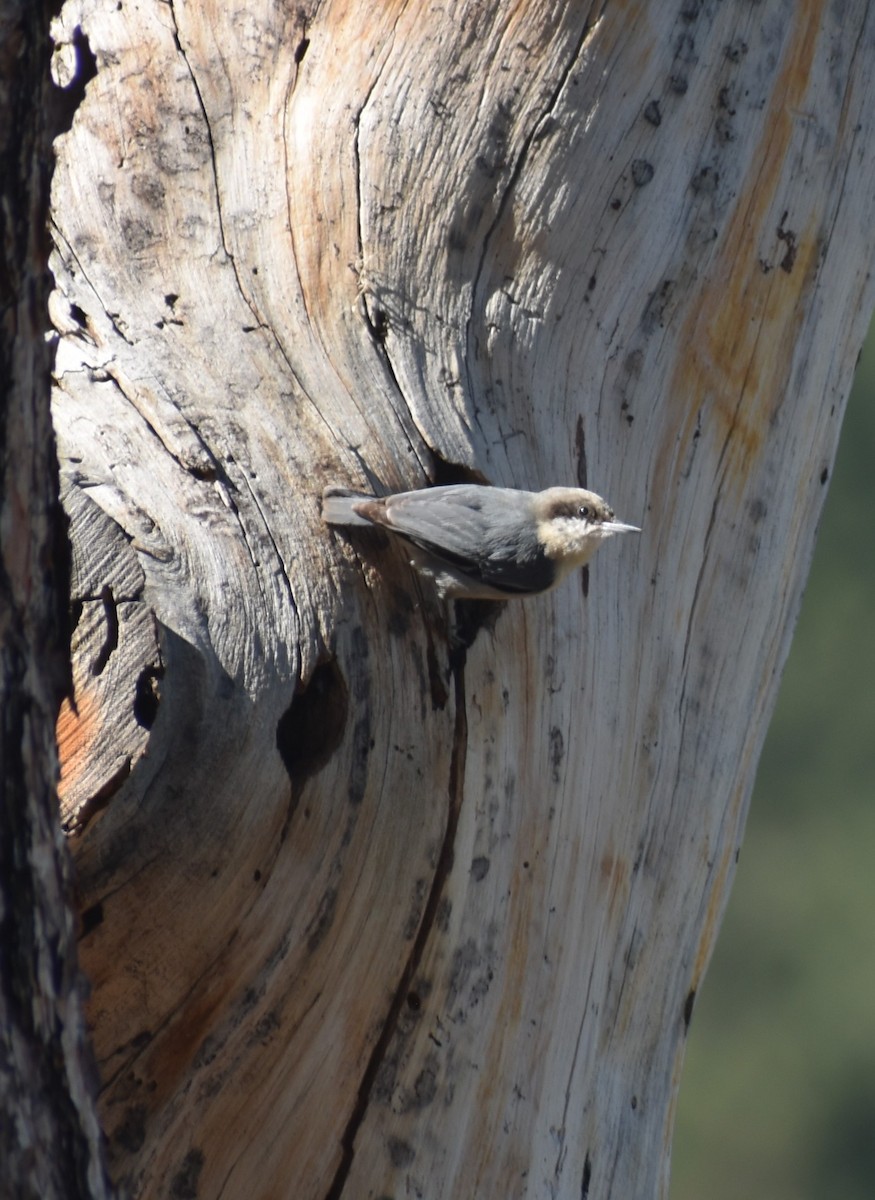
x: 337, y: 507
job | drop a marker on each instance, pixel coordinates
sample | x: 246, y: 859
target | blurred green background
x: 777, y: 1098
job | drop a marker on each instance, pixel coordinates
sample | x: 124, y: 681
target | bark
x: 364, y: 915
x: 49, y: 1129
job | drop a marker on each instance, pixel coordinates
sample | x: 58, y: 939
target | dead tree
x: 364, y: 916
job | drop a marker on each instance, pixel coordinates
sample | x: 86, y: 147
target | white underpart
x: 570, y: 541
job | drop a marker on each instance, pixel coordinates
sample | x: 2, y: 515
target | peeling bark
x: 362, y: 910
x: 49, y: 1130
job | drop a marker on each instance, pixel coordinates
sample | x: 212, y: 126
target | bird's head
x: 572, y: 524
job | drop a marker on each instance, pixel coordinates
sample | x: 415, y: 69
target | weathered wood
x: 102, y: 728
x: 365, y: 917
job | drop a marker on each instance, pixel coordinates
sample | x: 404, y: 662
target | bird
x: 477, y: 542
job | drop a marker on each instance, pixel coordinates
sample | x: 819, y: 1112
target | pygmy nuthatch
x: 485, y: 543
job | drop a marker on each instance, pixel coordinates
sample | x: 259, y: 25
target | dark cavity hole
x: 146, y: 697
x: 446, y: 472
x: 688, y: 1008
x: 91, y: 918
x: 110, y: 641
x: 310, y: 730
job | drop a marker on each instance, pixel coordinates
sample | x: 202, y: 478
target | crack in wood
x: 377, y: 322
x: 110, y: 641
x: 428, y: 924
x: 535, y: 133
x: 215, y: 169
x: 89, y: 808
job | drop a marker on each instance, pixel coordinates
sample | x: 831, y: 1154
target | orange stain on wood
x: 75, y: 731
x: 717, y: 896
x: 614, y: 872
x: 742, y: 327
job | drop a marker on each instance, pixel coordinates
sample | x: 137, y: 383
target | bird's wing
x: 479, y: 531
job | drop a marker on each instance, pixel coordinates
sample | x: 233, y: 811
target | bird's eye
x: 584, y: 510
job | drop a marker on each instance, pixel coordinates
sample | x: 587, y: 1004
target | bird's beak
x: 618, y: 527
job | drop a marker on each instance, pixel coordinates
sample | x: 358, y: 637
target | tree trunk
x: 365, y: 915
x: 49, y: 1129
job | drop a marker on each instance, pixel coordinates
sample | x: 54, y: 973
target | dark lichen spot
x: 424, y: 1088
x: 724, y: 101
x: 652, y: 318
x: 479, y: 868
x: 249, y: 1000
x: 652, y: 113
x: 736, y: 50
x: 206, y: 1052
x: 131, y: 1133
x: 758, y: 509
x: 642, y: 172
x: 824, y: 475
x: 148, y: 189
x: 362, y: 745
x: 323, y: 920
x: 685, y: 48
x: 457, y: 238
x: 267, y: 1026
x: 401, y: 1153
x: 443, y: 914
x: 557, y: 751
x: 705, y: 181
x: 184, y: 1184
x: 788, y: 237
